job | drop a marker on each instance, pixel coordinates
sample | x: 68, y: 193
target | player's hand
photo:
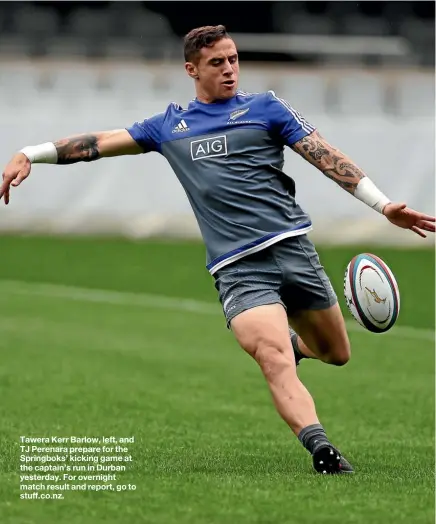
x: 17, y: 170
x: 402, y: 216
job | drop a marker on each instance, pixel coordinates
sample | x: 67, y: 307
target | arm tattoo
x: 332, y: 162
x: 83, y: 148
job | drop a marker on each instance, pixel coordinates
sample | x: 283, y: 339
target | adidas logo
x: 181, y: 127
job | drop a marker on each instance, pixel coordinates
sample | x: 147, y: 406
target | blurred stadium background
x: 120, y: 333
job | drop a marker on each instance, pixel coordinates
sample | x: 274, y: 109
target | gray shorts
x: 288, y: 273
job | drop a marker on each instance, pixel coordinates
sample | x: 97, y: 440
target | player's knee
x: 271, y: 359
x: 339, y: 354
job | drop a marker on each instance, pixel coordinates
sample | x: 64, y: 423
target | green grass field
x: 97, y: 338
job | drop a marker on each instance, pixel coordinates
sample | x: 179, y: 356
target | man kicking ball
x: 226, y: 148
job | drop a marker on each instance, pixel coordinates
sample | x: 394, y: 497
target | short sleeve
x: 148, y: 133
x: 286, y: 121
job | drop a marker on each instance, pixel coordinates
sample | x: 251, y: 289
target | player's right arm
x: 92, y: 146
x: 141, y: 137
x: 79, y: 148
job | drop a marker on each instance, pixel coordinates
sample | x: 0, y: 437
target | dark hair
x: 200, y: 37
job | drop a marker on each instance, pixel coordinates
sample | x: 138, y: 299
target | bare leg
x: 263, y: 333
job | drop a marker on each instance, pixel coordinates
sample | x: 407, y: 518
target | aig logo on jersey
x: 209, y: 147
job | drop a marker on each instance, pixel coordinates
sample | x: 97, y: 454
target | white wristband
x: 41, y: 154
x: 367, y: 192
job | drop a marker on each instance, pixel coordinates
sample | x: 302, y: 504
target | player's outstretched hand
x: 402, y: 216
x: 17, y: 170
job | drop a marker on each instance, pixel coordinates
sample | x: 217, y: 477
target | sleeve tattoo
x: 332, y: 162
x: 83, y: 148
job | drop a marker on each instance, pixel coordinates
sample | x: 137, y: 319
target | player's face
x: 217, y: 71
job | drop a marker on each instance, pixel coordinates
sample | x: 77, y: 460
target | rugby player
x: 226, y: 148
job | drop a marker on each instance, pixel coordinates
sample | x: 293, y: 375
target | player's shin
x: 291, y: 398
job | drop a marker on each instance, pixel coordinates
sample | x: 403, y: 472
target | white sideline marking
x: 125, y: 298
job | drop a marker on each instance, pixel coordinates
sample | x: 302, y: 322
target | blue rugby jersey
x: 228, y: 156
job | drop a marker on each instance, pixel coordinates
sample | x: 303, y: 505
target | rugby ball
x: 371, y: 293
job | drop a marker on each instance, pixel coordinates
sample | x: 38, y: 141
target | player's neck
x: 204, y: 98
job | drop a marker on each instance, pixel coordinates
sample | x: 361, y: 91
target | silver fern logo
x: 238, y: 113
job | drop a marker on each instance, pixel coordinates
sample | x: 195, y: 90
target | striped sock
x: 311, y: 435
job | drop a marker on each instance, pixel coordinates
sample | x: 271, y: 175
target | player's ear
x: 191, y: 69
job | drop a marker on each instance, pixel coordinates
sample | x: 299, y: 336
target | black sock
x: 312, y: 435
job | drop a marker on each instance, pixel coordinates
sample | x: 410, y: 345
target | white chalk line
x: 125, y: 298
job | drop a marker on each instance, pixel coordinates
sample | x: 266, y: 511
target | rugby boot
x: 328, y: 460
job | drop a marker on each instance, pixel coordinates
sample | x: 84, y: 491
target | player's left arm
x: 341, y: 169
x: 330, y: 161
